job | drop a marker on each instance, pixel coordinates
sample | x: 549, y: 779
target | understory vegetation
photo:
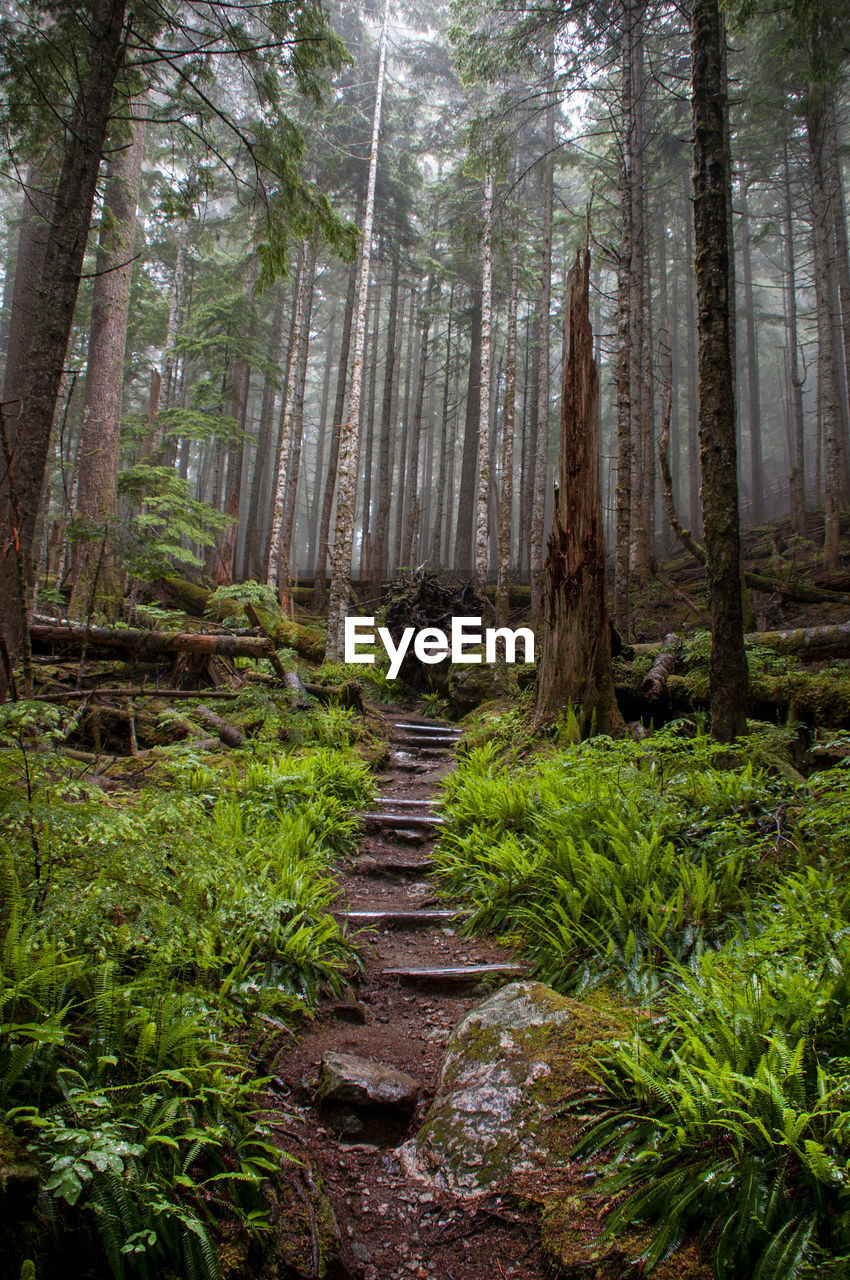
x: 705, y: 887
x: 152, y: 943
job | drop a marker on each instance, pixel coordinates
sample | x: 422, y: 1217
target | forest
x: 424, y: 640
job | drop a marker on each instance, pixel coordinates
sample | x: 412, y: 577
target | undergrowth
x: 144, y: 939
x: 708, y: 886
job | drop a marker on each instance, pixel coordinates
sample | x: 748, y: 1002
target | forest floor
x: 394, y: 1227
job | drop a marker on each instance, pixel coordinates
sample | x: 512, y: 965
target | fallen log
x: 131, y: 691
x: 228, y: 734
x: 63, y: 632
x: 345, y: 695
x: 811, y: 644
x: 655, y: 680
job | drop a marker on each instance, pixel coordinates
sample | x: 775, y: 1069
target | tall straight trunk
x: 240, y: 385
x: 468, y: 467
x: 366, y: 546
x: 695, y: 514
x: 437, y: 545
x: 424, y: 539
x: 503, y: 568
x: 797, y: 478
x: 622, y: 553
x: 412, y: 481
x: 162, y: 379
x: 829, y: 387
x: 718, y: 451
x: 541, y: 456
x: 385, y: 457
x: 529, y: 448
x: 96, y: 571
x: 277, y: 572
x: 349, y: 439
x: 316, y: 504
x: 574, y: 667
x: 319, y: 590
x: 639, y: 338
x: 753, y: 396
x: 482, y: 504
x: 26, y: 429
x: 451, y: 506
x: 255, y: 539
x: 666, y: 341
x: 842, y: 255
x: 24, y: 300
x: 398, y: 537
x: 303, y: 355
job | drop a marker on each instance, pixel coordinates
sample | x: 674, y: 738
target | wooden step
x: 422, y: 918
x: 457, y: 973
x: 430, y: 743
x: 418, y: 727
x: 402, y: 800
x: 410, y: 820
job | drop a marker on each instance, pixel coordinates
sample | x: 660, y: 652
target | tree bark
x: 277, y: 571
x: 718, y: 450
x: 382, y: 523
x: 753, y: 396
x: 827, y: 355
x: 466, y: 496
x: 96, y: 572
x: 482, y: 503
x: 795, y: 390
x: 542, y: 451
x: 575, y: 668
x: 346, y: 491
x: 27, y: 426
x: 297, y: 434
x: 503, y: 575
x: 412, y: 480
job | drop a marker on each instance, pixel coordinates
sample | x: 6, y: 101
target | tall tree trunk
x: 468, y: 466
x: 541, y: 456
x: 396, y: 559
x: 382, y: 524
x: 319, y: 589
x: 302, y: 358
x: 753, y: 396
x: 26, y: 430
x: 694, y: 512
x: 255, y: 541
x: 412, y: 481
x: 718, y: 451
x: 367, y: 524
x: 96, y: 571
x: 482, y: 504
x: 346, y: 491
x: 797, y: 478
x: 316, y: 504
x: 503, y: 572
x: 24, y: 298
x: 574, y: 668
x: 828, y: 385
x: 277, y: 571
x: 240, y: 383
x: 437, y: 545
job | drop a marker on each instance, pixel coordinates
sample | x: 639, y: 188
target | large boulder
x: 489, y: 1118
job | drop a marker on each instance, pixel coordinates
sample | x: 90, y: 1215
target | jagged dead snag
x: 575, y: 660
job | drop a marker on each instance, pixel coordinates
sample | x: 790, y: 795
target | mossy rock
x: 505, y: 1066
x: 469, y: 686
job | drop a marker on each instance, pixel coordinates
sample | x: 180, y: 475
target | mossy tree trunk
x: 718, y: 452
x: 574, y: 667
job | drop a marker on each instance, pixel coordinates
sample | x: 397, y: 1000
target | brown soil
x: 391, y: 1227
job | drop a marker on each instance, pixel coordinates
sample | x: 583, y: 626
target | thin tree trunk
x: 482, y: 505
x: 277, y: 571
x: 412, y: 481
x: 718, y: 451
x: 224, y: 567
x: 541, y: 456
x: 797, y: 479
x: 753, y: 396
x: 255, y: 540
x: 346, y: 491
x: 367, y: 523
x: 397, y: 559
x: 503, y: 572
x: 468, y: 467
x: 694, y: 512
x: 827, y: 356
x: 379, y: 559
x: 437, y: 546
x: 302, y: 358
x: 315, y: 506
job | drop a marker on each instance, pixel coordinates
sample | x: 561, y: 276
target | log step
x: 442, y: 730
x: 457, y: 973
x: 398, y: 800
x: 429, y: 741
x: 408, y: 820
x: 423, y: 918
